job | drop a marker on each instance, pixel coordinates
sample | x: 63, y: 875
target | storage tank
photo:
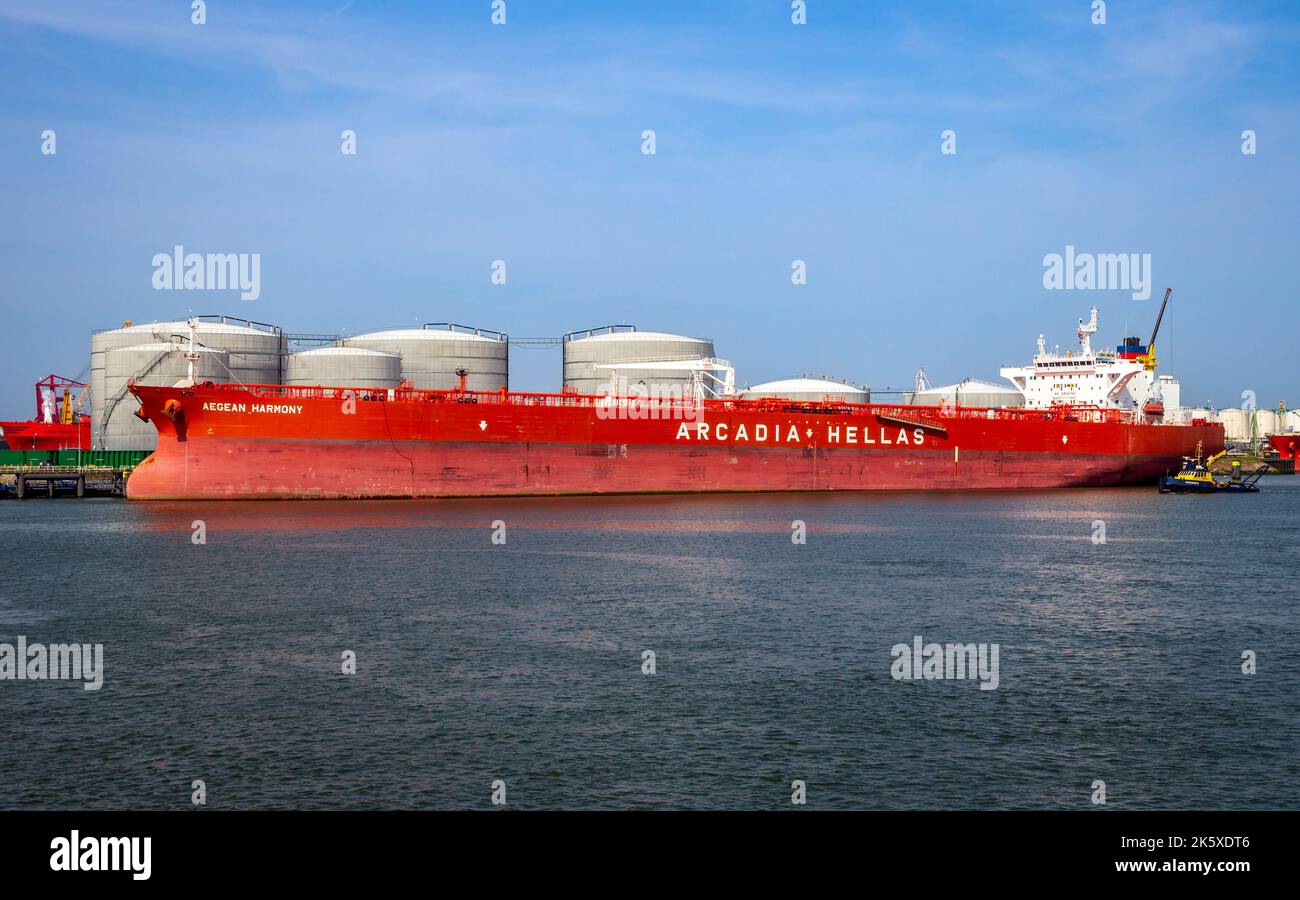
x: 623, y: 346
x: 1236, y: 424
x: 810, y: 388
x: 970, y: 392
x: 431, y: 355
x: 1291, y: 421
x: 1185, y: 414
x: 343, y: 367
x: 1266, y: 420
x: 256, y: 355
x: 161, y: 364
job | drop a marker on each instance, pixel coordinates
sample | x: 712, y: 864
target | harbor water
x: 659, y: 652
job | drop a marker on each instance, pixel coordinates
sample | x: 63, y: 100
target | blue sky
x: 775, y: 142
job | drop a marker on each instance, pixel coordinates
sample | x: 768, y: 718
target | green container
x: 16, y: 457
x: 111, y: 459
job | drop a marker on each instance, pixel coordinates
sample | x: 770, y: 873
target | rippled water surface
x: 1118, y: 661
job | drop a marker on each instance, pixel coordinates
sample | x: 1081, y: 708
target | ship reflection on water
x: 680, y: 513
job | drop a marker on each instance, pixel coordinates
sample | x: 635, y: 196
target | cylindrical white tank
x: 1291, y: 420
x: 255, y: 355
x: 431, y: 355
x: 622, y: 347
x: 343, y: 367
x: 1236, y: 424
x: 810, y: 388
x: 160, y: 364
x: 972, y: 392
x: 1265, y: 422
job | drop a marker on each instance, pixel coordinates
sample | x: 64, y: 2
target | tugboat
x: 1195, y: 478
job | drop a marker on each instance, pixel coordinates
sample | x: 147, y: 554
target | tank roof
x: 421, y: 334
x: 973, y: 384
x: 182, y: 326
x: 809, y: 384
x: 640, y: 336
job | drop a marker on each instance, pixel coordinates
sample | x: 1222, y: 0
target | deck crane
x: 1149, y: 360
x: 69, y: 411
x: 54, y: 401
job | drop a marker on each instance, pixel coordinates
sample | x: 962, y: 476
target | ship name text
x: 830, y: 435
x: 281, y: 408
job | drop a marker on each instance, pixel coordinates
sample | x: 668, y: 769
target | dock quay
x: 22, y: 482
x: 66, y: 473
x: 1252, y: 463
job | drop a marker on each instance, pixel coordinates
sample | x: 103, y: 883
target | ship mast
x: 192, y: 354
x: 1086, y: 332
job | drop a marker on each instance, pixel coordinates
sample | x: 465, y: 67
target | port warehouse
x: 594, y: 361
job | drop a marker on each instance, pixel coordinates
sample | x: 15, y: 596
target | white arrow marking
x: 482, y: 425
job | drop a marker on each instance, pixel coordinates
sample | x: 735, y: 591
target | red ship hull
x: 47, y: 435
x: 1287, y: 445
x: 230, y: 442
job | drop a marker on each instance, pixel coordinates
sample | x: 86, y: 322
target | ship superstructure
x: 1125, y: 379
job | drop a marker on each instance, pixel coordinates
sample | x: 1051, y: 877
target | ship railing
x: 688, y: 405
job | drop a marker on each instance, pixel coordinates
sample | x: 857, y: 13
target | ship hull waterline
x: 224, y: 444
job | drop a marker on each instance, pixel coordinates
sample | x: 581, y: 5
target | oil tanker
x: 1090, y: 419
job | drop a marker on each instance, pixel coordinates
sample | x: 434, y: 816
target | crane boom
x: 1160, y: 317
x: 1150, y: 359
